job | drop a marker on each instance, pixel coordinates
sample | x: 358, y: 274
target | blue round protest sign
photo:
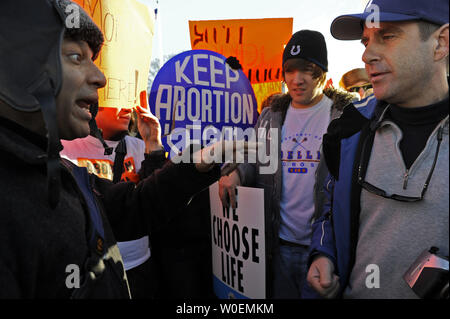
x: 198, y: 93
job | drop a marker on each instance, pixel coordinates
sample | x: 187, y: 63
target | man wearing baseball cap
x: 300, y: 118
x: 388, y: 157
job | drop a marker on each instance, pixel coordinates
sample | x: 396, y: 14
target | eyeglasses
x: 380, y: 192
x: 365, y: 87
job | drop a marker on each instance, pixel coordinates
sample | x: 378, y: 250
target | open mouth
x: 85, y: 105
x: 86, y: 102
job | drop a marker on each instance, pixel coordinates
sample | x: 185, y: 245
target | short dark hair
x: 305, y: 66
x: 426, y: 29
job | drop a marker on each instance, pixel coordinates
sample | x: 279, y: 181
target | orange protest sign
x: 127, y: 26
x: 257, y: 43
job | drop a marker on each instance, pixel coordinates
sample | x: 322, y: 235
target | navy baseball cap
x: 350, y: 26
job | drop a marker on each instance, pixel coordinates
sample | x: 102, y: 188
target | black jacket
x: 37, y: 244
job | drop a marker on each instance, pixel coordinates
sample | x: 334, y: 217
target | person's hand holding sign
x: 228, y: 183
x: 148, y: 126
x: 227, y: 189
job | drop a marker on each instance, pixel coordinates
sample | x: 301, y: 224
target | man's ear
x: 441, y: 50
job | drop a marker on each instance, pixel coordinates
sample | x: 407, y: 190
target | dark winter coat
x: 37, y: 244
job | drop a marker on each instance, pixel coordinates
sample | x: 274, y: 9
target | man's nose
x: 371, y: 53
x: 96, y: 77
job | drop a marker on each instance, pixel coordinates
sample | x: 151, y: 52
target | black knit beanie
x: 308, y: 45
x: 88, y: 31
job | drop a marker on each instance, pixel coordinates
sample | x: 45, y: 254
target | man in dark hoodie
x: 58, y: 224
x: 298, y: 119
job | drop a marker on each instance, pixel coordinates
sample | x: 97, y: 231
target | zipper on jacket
x: 405, y: 179
x: 327, y: 217
x: 432, y: 136
x: 323, y: 234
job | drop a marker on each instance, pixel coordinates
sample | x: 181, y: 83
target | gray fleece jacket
x: 392, y: 233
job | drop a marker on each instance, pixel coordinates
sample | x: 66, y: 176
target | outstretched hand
x: 230, y: 152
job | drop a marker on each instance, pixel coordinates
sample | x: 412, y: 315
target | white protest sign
x: 238, y: 245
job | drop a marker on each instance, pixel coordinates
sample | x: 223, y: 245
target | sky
x: 172, y: 24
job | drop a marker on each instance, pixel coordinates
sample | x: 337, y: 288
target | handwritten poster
x: 258, y: 44
x: 128, y: 28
